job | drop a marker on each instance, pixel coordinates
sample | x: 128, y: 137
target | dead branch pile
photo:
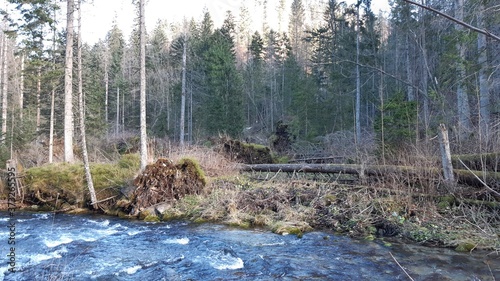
x: 163, y: 182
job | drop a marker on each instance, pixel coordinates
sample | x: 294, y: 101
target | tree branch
x: 482, y: 31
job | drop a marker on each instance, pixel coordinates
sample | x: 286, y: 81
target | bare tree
x: 464, y: 124
x: 142, y: 55
x: 183, y: 94
x: 53, y: 93
x: 5, y: 83
x: 81, y: 109
x: 68, y: 85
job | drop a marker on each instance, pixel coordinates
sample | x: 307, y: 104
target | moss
x: 194, y: 168
x: 329, y: 199
x: 151, y: 218
x: 130, y: 161
x: 465, y: 247
x: 297, y: 228
x: 64, y: 183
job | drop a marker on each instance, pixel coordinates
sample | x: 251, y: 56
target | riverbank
x: 282, y: 203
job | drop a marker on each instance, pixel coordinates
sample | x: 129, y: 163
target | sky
x: 98, y: 16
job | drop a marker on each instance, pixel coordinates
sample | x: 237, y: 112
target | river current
x: 83, y: 247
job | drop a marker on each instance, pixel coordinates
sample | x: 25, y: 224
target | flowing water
x: 69, y: 247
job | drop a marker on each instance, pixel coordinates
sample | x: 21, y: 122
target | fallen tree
x: 463, y: 176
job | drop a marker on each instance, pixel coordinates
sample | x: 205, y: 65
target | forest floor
x: 286, y: 203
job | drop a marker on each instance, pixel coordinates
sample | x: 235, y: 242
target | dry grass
x: 213, y: 163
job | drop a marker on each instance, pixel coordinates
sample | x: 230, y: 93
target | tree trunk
x: 142, y: 28
x: 81, y: 107
x: 106, y: 91
x: 21, y: 89
x: 183, y: 95
x: 464, y: 124
x: 446, y: 154
x: 410, y: 94
x: 117, y: 122
x: 358, y: 82
x: 5, y: 88
x: 38, y: 94
x: 68, y: 86
x: 52, y: 95
x: 484, y: 94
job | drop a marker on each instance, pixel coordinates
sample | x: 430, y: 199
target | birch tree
x: 142, y: 58
x: 81, y: 109
x: 68, y: 85
x: 183, y: 90
x: 463, y: 109
x: 5, y: 83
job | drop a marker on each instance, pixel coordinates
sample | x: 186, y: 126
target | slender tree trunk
x: 68, y: 86
x: 38, y: 94
x: 106, y: 91
x: 484, y: 94
x: 142, y: 28
x: 21, y: 89
x: 183, y: 95
x: 358, y: 82
x: 5, y: 87
x: 81, y: 108
x: 117, y: 123
x: 410, y: 94
x: 52, y: 95
x: 464, y: 124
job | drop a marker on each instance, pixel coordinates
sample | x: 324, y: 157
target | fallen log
x: 463, y: 176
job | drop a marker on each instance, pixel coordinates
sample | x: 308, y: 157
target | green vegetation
x: 56, y: 184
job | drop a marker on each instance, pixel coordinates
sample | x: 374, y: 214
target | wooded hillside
x: 385, y: 80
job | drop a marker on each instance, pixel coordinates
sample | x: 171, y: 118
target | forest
x: 341, y: 83
x: 369, y: 79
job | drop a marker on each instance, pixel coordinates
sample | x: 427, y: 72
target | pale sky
x: 98, y: 15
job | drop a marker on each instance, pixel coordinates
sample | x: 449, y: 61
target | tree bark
x: 81, y: 107
x: 68, y: 86
x: 21, y: 89
x: 142, y: 28
x: 358, y: 82
x: 464, y: 123
x: 484, y: 94
x: 5, y: 87
x: 38, y: 94
x: 52, y: 94
x: 446, y: 155
x: 183, y: 92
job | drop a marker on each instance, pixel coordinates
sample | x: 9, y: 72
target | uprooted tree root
x: 165, y: 181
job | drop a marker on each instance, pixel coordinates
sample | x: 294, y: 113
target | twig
x: 482, y: 31
x: 401, y: 267
x: 479, y: 179
x: 103, y: 200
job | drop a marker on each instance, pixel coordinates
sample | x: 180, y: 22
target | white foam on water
x: 38, y: 258
x: 22, y: 235
x: 42, y: 216
x: 272, y: 244
x: 132, y: 270
x: 227, y: 262
x: 224, y: 261
x: 4, y: 219
x: 134, y: 232
x: 180, y: 241
x: 55, y: 243
x: 103, y: 223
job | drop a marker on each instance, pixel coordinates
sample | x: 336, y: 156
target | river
x: 89, y: 247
